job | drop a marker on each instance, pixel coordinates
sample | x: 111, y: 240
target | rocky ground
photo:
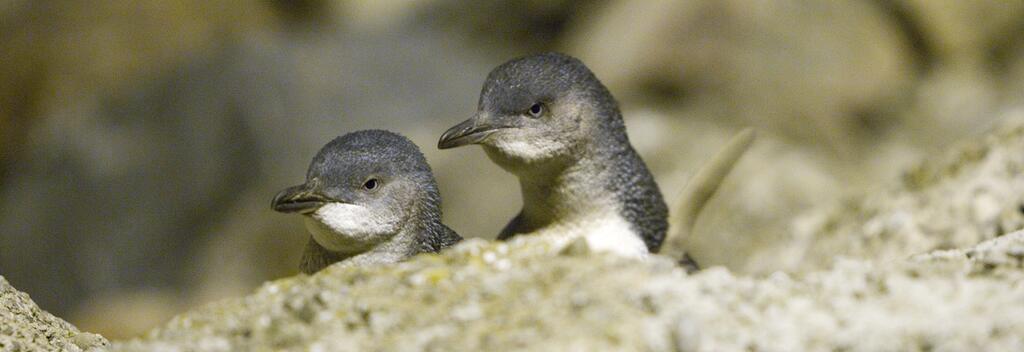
x: 495, y: 296
x: 922, y: 265
x: 25, y: 327
x: 955, y: 199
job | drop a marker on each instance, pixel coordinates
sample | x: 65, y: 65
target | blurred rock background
x: 141, y: 142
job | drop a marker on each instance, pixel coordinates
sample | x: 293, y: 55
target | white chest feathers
x: 349, y: 228
x: 609, y: 233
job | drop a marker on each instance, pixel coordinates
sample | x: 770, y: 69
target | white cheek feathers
x: 525, y: 148
x: 349, y: 228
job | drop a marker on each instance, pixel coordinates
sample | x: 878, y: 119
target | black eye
x: 371, y: 184
x: 536, y: 110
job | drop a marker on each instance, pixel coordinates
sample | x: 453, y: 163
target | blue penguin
x: 369, y: 198
x: 549, y: 121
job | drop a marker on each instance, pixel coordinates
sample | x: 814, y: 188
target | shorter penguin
x: 369, y: 198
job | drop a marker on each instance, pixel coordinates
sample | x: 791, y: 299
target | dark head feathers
x: 349, y: 160
x: 376, y: 147
x: 542, y: 77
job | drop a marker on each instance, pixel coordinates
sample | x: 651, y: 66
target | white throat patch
x: 349, y: 228
x: 513, y: 144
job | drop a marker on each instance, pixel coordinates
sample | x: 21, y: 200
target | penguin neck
x: 395, y: 250
x: 565, y: 194
x: 399, y: 247
x: 404, y: 242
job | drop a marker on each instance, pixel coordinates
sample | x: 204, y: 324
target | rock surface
x: 524, y: 295
x: 954, y: 199
x: 25, y: 327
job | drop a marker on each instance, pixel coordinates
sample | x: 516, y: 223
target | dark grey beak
x: 471, y: 131
x: 302, y: 199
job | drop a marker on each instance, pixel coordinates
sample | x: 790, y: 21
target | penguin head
x: 361, y: 189
x: 536, y: 109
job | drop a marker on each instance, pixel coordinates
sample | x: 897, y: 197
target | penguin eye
x: 371, y: 184
x: 536, y: 110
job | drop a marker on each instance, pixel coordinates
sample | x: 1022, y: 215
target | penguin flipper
x: 514, y: 227
x: 445, y: 239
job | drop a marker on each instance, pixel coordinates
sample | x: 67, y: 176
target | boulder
x: 970, y: 193
x: 525, y: 295
x: 25, y: 327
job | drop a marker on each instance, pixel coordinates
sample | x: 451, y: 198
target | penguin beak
x: 303, y: 199
x: 471, y: 131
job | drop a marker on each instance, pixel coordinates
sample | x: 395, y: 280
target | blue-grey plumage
x: 547, y: 119
x: 369, y: 198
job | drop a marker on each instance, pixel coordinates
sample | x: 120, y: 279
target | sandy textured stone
x: 25, y: 327
x: 955, y: 199
x: 524, y: 295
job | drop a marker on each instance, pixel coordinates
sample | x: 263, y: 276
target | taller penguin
x: 548, y: 120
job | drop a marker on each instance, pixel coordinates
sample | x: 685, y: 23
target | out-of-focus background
x: 141, y: 141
